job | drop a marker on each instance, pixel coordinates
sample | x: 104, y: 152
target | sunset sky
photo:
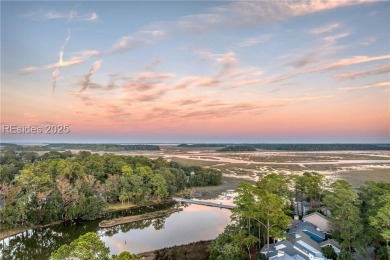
x: 197, y: 71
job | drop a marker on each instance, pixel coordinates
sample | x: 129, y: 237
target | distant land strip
x: 92, y: 147
x: 293, y: 147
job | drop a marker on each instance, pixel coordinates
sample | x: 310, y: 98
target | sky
x: 196, y: 71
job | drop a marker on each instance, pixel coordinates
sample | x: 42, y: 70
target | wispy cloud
x: 248, y: 42
x: 247, y: 14
x: 92, y: 17
x: 315, y: 54
x: 228, y: 73
x: 126, y: 43
x: 153, y: 64
x: 205, y: 109
x: 380, y: 69
x: 87, y: 77
x: 29, y: 70
x: 45, y: 15
x: 145, y: 81
x: 374, y: 85
x: 75, y: 59
x: 149, y: 96
x: 226, y: 60
x: 348, y: 62
x: 56, y: 72
x: 87, y: 53
x: 159, y: 34
x: 367, y: 41
x: 188, y: 102
x: 325, y: 28
x: 354, y: 60
x: 305, y: 98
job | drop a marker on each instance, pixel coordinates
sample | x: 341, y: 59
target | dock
x: 204, y: 203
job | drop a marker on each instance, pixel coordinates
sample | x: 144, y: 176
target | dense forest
x: 63, y: 186
x: 237, y: 148
x: 359, y: 218
x: 302, y: 147
x: 92, y: 147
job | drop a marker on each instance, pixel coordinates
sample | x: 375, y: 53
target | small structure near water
x: 204, y: 203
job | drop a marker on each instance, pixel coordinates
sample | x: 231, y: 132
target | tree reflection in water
x: 39, y: 243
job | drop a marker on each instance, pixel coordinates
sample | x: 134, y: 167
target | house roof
x: 295, y: 222
x: 288, y: 249
x: 308, y: 227
x: 330, y: 242
x: 315, y: 213
x: 307, y: 249
x: 287, y: 257
x: 300, y: 236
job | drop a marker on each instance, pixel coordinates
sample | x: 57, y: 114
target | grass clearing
x: 119, y: 206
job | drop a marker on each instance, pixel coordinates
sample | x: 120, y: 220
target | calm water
x: 192, y: 224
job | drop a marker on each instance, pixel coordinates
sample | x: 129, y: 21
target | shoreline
x: 20, y: 229
x: 195, y: 250
x: 130, y: 219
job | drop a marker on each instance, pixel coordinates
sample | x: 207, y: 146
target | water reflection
x: 193, y: 224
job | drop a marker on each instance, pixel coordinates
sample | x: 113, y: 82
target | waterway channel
x: 194, y: 223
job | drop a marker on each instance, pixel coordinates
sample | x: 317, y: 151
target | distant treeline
x: 300, y: 147
x: 202, y: 145
x: 92, y: 147
x: 237, y: 148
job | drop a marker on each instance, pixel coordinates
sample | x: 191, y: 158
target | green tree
x: 125, y: 255
x: 299, y: 191
x: 159, y: 163
x: 245, y: 204
x: 308, y: 187
x: 374, y: 196
x: 270, y: 213
x: 144, y: 171
x: 123, y: 197
x: 127, y: 170
x: 345, y: 255
x: 137, y: 186
x: 94, y: 165
x: 329, y: 252
x: 113, y: 164
x: 271, y: 205
x: 345, y: 219
x: 314, y: 183
x: 382, y: 221
x: 245, y: 241
x: 70, y: 169
x: 266, y: 203
x: 381, y: 253
x: 86, y: 247
x: 112, y: 188
x: 69, y: 195
x: 225, y: 246
x: 34, y: 177
x: 90, y: 207
x: 159, y: 185
x: 274, y: 183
